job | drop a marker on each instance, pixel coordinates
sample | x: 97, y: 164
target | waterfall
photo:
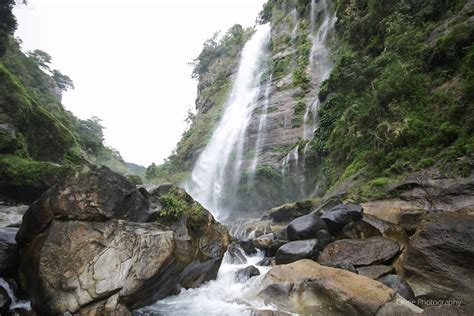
x: 216, y: 174
x: 262, y: 125
x: 320, y: 61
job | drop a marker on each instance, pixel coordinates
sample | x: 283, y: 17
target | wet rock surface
x: 308, y: 288
x: 305, y: 227
x: 340, y: 215
x: 86, y: 246
x: 439, y: 259
x: 398, y: 285
x: 246, y: 273
x: 375, y: 271
x: 296, y: 250
x: 360, y: 252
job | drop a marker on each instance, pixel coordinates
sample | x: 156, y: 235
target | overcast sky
x: 129, y: 61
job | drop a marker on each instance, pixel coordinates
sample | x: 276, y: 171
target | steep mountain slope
x: 39, y: 140
x: 352, y: 90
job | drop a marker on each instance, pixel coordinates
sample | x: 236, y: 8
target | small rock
x: 296, y: 250
x: 360, y: 252
x: 341, y: 215
x: 375, y: 271
x: 398, y: 285
x: 274, y: 246
x: 248, y: 247
x: 290, y: 211
x: 263, y: 242
x: 235, y: 255
x: 5, y: 301
x: 305, y: 227
x: 246, y: 273
x: 360, y: 230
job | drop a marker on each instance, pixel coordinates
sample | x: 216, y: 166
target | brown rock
x: 375, y: 271
x: 439, y: 259
x: 308, y: 288
x: 360, y: 252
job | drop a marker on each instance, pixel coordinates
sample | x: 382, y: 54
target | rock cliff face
x: 94, y: 243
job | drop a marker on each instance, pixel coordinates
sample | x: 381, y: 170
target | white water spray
x: 217, y: 171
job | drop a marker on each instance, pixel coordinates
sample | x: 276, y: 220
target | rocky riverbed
x: 95, y: 244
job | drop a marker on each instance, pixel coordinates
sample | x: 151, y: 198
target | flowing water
x: 216, y: 174
x: 217, y: 171
x: 224, y: 296
x: 262, y: 124
x: 320, y: 58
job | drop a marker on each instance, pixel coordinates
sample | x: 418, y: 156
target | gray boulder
x: 340, y: 215
x: 399, y: 285
x: 360, y: 252
x: 296, y: 250
x: 305, y: 227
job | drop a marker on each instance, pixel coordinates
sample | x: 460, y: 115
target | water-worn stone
x: 248, y: 247
x: 360, y: 252
x: 92, y: 194
x: 399, y: 285
x: 8, y: 252
x: 5, y: 301
x: 306, y: 287
x: 439, y: 258
x: 235, y: 255
x: 274, y: 246
x: 290, y: 211
x: 246, y: 273
x: 340, y: 215
x: 375, y: 271
x: 360, y: 230
x: 305, y: 227
x: 263, y: 242
x: 92, y: 257
x: 296, y: 250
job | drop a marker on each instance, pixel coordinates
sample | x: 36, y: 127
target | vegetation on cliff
x: 399, y: 98
x: 39, y: 139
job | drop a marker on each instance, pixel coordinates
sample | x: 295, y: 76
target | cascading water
x: 217, y: 171
x: 227, y: 295
x: 320, y: 61
x: 262, y: 125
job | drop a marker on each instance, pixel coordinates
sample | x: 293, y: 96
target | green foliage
x: 400, y: 95
x: 7, y: 24
x: 303, y: 50
x: 173, y: 205
x: 62, y: 81
x: 298, y: 114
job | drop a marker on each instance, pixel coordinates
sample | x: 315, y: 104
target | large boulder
x: 85, y: 245
x: 308, y: 288
x: 439, y: 259
x: 296, y: 250
x: 305, y: 227
x: 340, y: 215
x: 360, y: 252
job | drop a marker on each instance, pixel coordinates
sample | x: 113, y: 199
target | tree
x: 64, y: 82
x: 7, y: 23
x: 41, y: 58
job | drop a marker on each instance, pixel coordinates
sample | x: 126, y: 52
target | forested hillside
x: 39, y: 139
